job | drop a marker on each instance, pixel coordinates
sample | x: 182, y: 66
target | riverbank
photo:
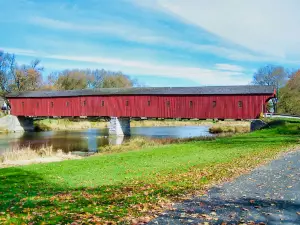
x: 27, y: 156
x: 46, y: 154
x: 78, y: 124
x: 134, y: 186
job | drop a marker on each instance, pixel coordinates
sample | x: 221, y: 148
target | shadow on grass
x: 28, y: 198
x: 17, y: 184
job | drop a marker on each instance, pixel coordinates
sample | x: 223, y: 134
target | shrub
x: 217, y: 129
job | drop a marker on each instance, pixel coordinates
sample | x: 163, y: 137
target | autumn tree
x: 289, y: 97
x: 70, y: 80
x: 83, y: 79
x: 18, y: 78
x: 110, y: 79
x: 28, y: 77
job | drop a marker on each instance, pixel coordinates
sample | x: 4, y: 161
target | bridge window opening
x: 67, y: 104
x: 214, y: 104
x: 102, y: 103
x: 240, y: 104
x: 168, y: 104
x: 37, y: 105
x: 51, y: 104
x: 127, y: 103
x: 22, y: 104
x: 84, y: 103
x: 191, y: 104
x: 149, y: 102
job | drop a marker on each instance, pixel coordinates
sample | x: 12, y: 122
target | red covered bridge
x: 222, y: 102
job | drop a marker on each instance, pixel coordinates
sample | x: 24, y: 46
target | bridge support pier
x: 119, y: 126
x: 12, y: 123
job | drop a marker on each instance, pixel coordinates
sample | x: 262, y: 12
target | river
x: 91, y: 140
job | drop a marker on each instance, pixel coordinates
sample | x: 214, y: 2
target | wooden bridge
x: 214, y: 102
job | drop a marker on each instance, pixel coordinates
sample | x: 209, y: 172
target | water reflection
x: 90, y: 140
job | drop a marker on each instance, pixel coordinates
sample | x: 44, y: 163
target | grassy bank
x: 139, y: 143
x: 133, y: 186
x: 77, y: 124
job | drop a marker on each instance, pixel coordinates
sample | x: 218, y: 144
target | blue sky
x: 158, y: 42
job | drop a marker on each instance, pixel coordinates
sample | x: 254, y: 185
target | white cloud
x: 229, y: 67
x: 267, y: 26
x: 204, y: 76
x: 19, y: 51
x: 146, y: 36
x: 128, y: 32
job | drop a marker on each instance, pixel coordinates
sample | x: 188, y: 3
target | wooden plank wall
x: 226, y: 106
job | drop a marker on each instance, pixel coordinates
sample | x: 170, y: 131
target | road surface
x: 269, y: 195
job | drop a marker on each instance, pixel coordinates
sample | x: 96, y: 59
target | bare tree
x: 276, y: 76
x: 271, y: 75
x: 7, y: 72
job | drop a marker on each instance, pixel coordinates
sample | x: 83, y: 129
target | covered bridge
x: 222, y: 102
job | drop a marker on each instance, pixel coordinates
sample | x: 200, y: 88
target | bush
x: 217, y: 129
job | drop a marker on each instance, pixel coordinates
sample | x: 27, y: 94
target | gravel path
x: 269, y: 195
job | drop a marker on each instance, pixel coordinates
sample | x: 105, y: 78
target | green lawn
x: 121, y: 186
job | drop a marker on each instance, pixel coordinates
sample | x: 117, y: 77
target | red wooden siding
x: 227, y: 106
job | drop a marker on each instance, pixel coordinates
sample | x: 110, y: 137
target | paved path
x: 269, y: 195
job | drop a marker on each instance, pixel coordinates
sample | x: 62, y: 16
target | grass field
x: 134, y: 186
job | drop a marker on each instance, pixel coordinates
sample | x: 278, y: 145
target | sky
x: 157, y: 42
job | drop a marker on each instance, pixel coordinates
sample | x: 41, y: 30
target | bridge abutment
x: 119, y: 126
x: 12, y: 123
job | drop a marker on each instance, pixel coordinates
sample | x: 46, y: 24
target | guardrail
x: 275, y: 115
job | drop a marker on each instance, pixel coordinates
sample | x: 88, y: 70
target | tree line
x: 28, y: 77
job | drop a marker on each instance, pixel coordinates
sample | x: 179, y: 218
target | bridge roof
x: 206, y: 90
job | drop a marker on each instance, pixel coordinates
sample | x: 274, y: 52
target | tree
x: 271, y: 75
x: 83, y: 79
x: 28, y: 77
x: 18, y: 78
x: 290, y: 96
x: 109, y: 79
x: 70, y: 80
x: 7, y: 72
x: 117, y: 81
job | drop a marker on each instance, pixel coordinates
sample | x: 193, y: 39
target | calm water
x: 90, y: 140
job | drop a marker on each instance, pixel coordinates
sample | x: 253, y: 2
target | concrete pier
x: 12, y: 123
x: 119, y: 126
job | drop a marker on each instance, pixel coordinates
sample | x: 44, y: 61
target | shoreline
x: 40, y: 160
x: 66, y: 124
